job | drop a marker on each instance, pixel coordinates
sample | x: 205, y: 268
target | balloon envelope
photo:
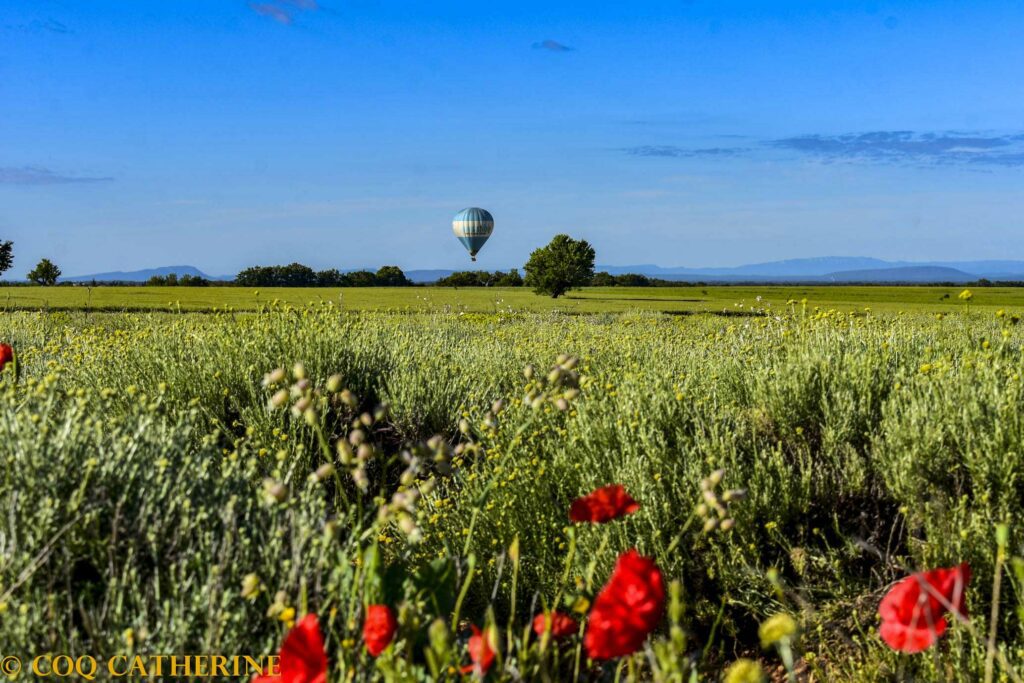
x: 473, y: 226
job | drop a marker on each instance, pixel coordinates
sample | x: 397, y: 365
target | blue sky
x: 226, y: 133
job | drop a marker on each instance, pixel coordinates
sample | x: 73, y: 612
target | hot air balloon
x: 473, y: 226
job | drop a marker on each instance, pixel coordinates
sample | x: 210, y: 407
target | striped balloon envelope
x: 473, y: 226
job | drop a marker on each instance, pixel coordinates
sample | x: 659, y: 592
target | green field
x: 589, y: 300
x: 154, y: 500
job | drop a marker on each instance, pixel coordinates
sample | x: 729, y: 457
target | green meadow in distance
x: 683, y: 299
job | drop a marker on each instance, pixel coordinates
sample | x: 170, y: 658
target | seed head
x: 324, y: 471
x: 274, y: 377
x: 279, y: 399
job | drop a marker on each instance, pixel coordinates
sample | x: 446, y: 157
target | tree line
x: 298, y: 275
x: 562, y: 265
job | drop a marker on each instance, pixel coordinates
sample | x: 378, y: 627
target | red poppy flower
x: 480, y: 651
x: 379, y: 628
x: 627, y: 609
x: 562, y: 625
x: 6, y: 355
x: 913, y: 616
x: 302, y: 657
x: 603, y: 505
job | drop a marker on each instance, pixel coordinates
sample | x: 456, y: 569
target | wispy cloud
x: 552, y: 46
x: 39, y: 26
x: 283, y: 11
x: 683, y: 152
x: 35, y: 175
x: 901, y: 147
x: 909, y: 147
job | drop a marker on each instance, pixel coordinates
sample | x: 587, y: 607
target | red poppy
x: 627, y: 609
x: 603, y: 505
x: 480, y: 651
x: 562, y: 625
x: 6, y: 355
x: 913, y: 615
x: 379, y: 628
x: 302, y: 657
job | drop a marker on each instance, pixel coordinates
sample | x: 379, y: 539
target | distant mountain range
x: 836, y: 269
x: 839, y: 269
x: 143, y: 275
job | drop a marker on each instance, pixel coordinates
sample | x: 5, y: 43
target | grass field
x: 589, y: 300
x: 162, y: 493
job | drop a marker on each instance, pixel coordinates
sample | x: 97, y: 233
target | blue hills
x: 826, y: 269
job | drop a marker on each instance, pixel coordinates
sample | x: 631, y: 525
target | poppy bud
x: 348, y: 398
x: 716, y: 477
x: 734, y: 494
x: 464, y: 426
x: 571, y: 394
x: 554, y: 376
x: 299, y: 371
x: 529, y: 371
x: 357, y: 437
x: 435, y: 442
x: 562, y: 404
x: 380, y: 412
x: 710, y: 525
x: 334, y: 384
x: 438, y: 634
x: 727, y: 524
x: 310, y: 416
x: 497, y: 406
x: 407, y: 478
x: 366, y: 419
x: 570, y: 362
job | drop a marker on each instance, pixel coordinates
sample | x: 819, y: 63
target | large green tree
x: 392, y: 276
x: 562, y: 265
x: 45, y: 273
x: 6, y: 256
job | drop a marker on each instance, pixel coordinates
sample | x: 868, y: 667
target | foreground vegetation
x: 180, y: 482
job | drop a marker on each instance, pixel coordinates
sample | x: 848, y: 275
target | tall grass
x: 141, y: 461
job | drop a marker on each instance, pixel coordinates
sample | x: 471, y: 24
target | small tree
x: 6, y: 256
x: 562, y: 265
x: 45, y: 273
